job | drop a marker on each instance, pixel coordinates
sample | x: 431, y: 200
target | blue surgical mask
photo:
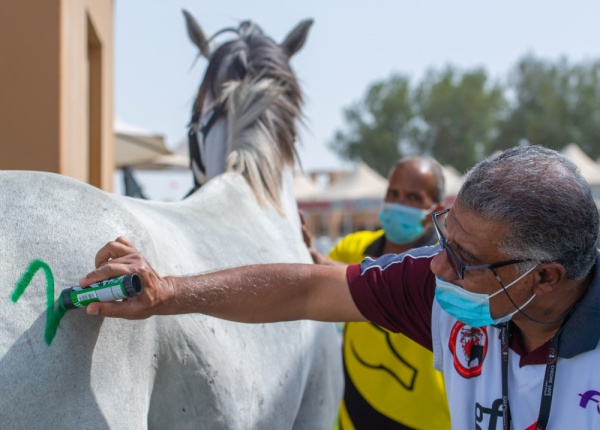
x: 470, y: 308
x: 402, y: 224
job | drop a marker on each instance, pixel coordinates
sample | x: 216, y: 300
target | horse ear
x: 294, y: 41
x: 196, y: 34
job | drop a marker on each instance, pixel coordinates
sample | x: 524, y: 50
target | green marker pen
x: 109, y: 290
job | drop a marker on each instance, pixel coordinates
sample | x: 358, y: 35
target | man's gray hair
x: 543, y: 199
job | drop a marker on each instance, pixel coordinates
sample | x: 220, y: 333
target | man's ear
x: 548, y: 276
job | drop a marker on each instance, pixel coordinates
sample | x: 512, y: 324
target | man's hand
x: 117, y: 258
x: 317, y: 257
x: 305, y: 233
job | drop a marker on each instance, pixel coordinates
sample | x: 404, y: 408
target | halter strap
x: 196, y: 162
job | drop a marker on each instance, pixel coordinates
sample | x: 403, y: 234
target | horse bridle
x: 196, y: 162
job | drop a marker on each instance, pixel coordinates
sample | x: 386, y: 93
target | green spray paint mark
x: 54, y: 312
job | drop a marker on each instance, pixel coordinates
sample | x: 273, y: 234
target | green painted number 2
x: 54, y: 313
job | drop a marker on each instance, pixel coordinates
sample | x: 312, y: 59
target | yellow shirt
x: 390, y: 382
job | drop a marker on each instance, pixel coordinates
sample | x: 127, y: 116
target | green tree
x: 554, y: 104
x: 458, y: 113
x: 376, y: 125
x: 449, y: 115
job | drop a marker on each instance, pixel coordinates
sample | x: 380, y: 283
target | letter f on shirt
x: 590, y: 395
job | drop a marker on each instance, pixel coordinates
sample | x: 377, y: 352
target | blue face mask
x: 470, y: 308
x: 402, y: 224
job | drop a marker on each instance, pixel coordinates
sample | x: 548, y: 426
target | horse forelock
x: 253, y: 55
x: 248, y: 28
x: 252, y: 78
x: 259, y: 141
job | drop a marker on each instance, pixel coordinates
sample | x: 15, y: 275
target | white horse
x: 69, y: 370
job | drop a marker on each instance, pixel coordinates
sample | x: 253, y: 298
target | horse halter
x: 196, y: 162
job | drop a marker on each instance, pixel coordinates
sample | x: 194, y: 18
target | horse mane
x: 251, y: 80
x: 261, y: 141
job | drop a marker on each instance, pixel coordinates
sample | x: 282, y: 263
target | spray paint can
x: 108, y: 290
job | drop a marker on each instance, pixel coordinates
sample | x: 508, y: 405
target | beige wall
x: 56, y: 104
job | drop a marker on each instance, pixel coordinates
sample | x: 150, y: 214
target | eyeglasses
x: 458, y: 266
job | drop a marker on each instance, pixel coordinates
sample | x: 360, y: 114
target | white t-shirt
x: 470, y: 359
x: 397, y: 292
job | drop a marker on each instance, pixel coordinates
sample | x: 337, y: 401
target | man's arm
x: 253, y: 294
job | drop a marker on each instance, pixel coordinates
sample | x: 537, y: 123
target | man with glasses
x: 508, y: 302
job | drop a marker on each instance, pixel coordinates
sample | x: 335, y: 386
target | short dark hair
x: 438, y: 193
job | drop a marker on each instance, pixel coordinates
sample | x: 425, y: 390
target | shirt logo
x: 590, y: 396
x: 468, y: 346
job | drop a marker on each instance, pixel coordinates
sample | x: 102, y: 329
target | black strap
x: 504, y: 333
x: 195, y: 156
x: 217, y: 111
x: 193, y: 145
x: 547, y: 385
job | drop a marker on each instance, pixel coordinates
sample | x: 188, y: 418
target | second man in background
x: 390, y: 382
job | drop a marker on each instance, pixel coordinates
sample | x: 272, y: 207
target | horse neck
x: 286, y: 206
x: 288, y: 203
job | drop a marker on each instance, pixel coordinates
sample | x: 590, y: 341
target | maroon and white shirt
x: 397, y: 292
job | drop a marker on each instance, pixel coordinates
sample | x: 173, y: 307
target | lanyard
x: 547, y: 386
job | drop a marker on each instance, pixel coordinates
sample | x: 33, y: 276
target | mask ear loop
x: 518, y: 308
x: 511, y: 284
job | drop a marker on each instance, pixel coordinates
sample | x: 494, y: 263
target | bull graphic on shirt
x: 473, y: 350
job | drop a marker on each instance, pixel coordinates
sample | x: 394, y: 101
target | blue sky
x: 352, y: 44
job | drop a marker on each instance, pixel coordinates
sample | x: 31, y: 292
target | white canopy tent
x: 588, y: 167
x: 361, y: 183
x: 146, y: 168
x: 135, y: 145
x: 304, y: 188
x: 454, y: 180
x: 177, y: 159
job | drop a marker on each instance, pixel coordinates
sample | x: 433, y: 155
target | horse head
x: 247, y: 107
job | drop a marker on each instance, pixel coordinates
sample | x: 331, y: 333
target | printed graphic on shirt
x: 590, y: 399
x: 468, y: 346
x: 390, y: 379
x: 488, y: 418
